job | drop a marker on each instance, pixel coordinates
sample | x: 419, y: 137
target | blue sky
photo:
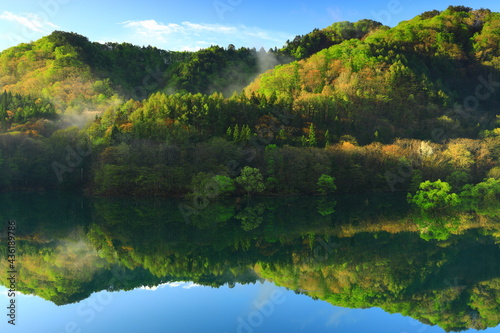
x: 191, y: 25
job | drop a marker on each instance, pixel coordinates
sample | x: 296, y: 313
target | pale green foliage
x: 434, y: 196
x: 434, y: 199
x: 245, y: 134
x: 327, y: 138
x: 494, y: 173
x: 436, y: 226
x: 240, y: 134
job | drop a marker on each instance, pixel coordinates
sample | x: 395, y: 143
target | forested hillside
x: 79, y: 75
x: 438, y: 70
x: 372, y: 109
x: 305, y: 46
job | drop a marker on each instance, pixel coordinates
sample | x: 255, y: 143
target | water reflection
x: 350, y: 251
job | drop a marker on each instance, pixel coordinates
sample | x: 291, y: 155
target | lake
x: 346, y: 263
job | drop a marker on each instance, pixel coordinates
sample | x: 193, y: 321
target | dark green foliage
x: 458, y: 179
x: 216, y: 69
x: 302, y: 47
x: 17, y: 109
x: 429, y: 14
x: 483, y: 197
x: 457, y: 9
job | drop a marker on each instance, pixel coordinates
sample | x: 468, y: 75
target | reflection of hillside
x: 59, y: 272
x: 363, y: 252
x: 453, y: 285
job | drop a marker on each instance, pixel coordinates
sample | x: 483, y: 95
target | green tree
x: 458, y: 178
x: 225, y: 184
x: 327, y: 138
x: 251, y: 180
x: 416, y: 180
x: 326, y: 184
x: 436, y: 226
x: 434, y: 196
x: 236, y: 133
x: 245, y: 133
x: 251, y: 217
x: 326, y: 206
x: 311, y: 137
x: 483, y: 197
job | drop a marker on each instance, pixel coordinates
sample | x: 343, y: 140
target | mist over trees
x: 375, y: 108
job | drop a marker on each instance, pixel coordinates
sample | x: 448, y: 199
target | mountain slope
x: 216, y: 69
x: 397, y: 82
x: 304, y: 46
x: 77, y: 74
x: 351, y: 111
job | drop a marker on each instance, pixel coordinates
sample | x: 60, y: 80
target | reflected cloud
x: 183, y: 285
x: 4, y: 293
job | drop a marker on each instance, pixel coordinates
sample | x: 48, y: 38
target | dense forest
x: 354, y: 107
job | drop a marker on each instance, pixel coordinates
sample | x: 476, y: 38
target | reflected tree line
x: 351, y: 251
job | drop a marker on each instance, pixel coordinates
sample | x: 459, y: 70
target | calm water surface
x: 314, y: 264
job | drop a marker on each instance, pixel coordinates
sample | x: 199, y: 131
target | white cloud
x: 183, y: 285
x: 31, y: 21
x: 190, y: 285
x: 192, y: 36
x: 4, y: 293
x: 209, y: 27
x: 151, y: 28
x: 152, y: 288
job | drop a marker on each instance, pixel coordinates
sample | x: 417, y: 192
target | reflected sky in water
x: 184, y: 307
x: 358, y: 253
